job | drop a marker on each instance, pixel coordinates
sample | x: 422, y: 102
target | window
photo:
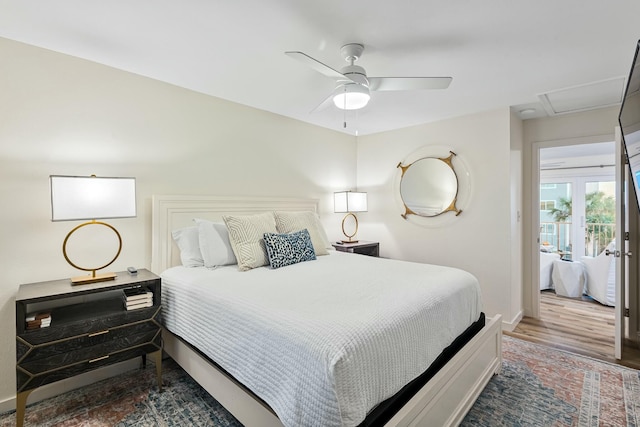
x: 548, y: 186
x: 547, y: 205
x: 547, y: 228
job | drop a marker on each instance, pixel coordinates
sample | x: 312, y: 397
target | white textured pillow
x: 289, y: 222
x: 246, y: 235
x: 214, y: 243
x: 187, y: 241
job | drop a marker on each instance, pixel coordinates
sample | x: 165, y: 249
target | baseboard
x: 511, y: 325
x: 72, y: 383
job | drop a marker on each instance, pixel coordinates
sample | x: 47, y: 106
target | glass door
x: 577, y: 217
x: 556, y: 213
x: 599, y: 215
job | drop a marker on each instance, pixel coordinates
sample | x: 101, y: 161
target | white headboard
x: 172, y: 212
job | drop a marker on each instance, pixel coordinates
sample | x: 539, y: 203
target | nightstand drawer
x: 36, y: 366
x: 28, y: 381
x: 68, y: 322
x: 128, y: 333
x: 361, y: 247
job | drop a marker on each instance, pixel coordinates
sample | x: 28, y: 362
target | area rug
x: 538, y: 386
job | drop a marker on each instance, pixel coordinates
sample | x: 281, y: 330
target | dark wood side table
x: 89, y: 328
x: 361, y: 247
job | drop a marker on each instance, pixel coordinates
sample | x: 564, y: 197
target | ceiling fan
x: 353, y: 87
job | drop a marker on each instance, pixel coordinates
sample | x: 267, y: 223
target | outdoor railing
x: 597, y: 237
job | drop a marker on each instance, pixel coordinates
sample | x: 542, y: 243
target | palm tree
x: 600, y: 209
x: 563, y: 212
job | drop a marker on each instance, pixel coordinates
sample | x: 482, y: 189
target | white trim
x: 620, y: 261
x: 511, y: 325
x: 534, y: 288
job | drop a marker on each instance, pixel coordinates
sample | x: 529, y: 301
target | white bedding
x: 324, y: 341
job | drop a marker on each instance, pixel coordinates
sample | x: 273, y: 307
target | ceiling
x: 500, y: 53
x: 601, y: 154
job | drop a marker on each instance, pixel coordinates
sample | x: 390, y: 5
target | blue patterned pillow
x: 287, y: 249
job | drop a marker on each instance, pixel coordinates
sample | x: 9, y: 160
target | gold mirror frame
x: 452, y: 206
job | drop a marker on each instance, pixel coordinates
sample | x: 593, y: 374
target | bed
x: 293, y: 367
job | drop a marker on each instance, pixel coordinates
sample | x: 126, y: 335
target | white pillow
x: 246, y: 234
x: 289, y: 222
x: 214, y: 243
x: 187, y: 241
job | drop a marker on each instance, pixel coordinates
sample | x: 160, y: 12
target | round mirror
x: 429, y: 187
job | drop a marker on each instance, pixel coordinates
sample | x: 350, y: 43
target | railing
x: 558, y: 239
x: 597, y: 237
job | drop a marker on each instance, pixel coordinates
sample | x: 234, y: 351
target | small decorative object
x: 349, y: 202
x: 429, y: 186
x: 92, y: 198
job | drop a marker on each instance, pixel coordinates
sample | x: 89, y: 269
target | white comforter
x: 322, y: 342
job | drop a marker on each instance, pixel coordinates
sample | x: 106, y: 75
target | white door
x: 621, y: 243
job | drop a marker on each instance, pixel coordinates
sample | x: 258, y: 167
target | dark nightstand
x: 362, y: 247
x: 89, y: 328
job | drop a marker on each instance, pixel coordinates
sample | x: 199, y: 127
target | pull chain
x: 344, y: 110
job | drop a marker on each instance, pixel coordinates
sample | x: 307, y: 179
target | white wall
x: 480, y: 239
x: 63, y: 115
x: 586, y: 127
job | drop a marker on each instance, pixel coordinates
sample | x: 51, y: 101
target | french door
x: 577, y: 212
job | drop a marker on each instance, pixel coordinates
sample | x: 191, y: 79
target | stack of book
x: 135, y: 298
x: 38, y: 320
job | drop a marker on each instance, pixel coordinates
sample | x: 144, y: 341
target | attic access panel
x: 590, y: 96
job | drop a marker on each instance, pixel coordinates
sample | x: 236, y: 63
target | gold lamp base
x: 347, y: 235
x: 94, y: 278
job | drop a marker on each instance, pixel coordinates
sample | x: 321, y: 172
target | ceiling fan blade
x: 316, y: 65
x: 409, y: 83
x: 324, y: 104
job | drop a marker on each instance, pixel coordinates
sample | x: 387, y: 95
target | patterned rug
x: 538, y: 386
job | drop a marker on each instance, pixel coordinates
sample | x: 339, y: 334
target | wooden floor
x: 580, y: 326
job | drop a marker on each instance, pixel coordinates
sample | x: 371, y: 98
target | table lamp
x: 92, y: 198
x: 349, y: 202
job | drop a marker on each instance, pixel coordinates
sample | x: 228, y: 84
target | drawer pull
x: 95, y: 334
x: 99, y: 358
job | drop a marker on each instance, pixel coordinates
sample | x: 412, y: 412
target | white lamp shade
x: 351, y: 96
x: 349, y: 201
x: 90, y: 197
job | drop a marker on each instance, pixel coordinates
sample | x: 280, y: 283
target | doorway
x: 576, y: 222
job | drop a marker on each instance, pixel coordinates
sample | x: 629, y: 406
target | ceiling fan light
x: 351, y: 96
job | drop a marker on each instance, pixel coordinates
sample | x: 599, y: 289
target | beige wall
x: 480, y: 240
x: 515, y: 211
x: 63, y: 115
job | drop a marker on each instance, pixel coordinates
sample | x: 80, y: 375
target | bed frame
x: 443, y: 401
